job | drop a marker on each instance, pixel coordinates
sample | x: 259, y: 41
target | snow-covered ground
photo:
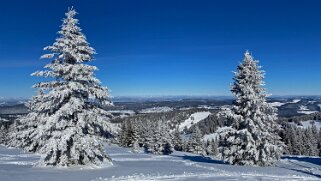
x: 18, y: 166
x: 208, y: 107
x: 130, y: 112
x: 122, y: 113
x: 193, y: 119
x: 277, y: 104
x: 209, y: 137
x: 305, y: 110
x: 295, y: 101
x: 306, y: 124
x: 156, y: 110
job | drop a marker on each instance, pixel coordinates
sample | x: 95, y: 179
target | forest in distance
x: 73, y: 128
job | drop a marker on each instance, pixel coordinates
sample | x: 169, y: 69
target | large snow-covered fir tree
x: 251, y: 136
x: 67, y: 120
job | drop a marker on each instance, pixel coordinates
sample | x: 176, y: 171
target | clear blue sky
x: 169, y: 47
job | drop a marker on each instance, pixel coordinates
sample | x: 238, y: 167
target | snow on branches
x: 251, y: 137
x: 67, y: 122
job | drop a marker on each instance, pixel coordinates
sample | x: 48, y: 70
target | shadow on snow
x: 307, y: 170
x: 200, y: 159
x: 315, y: 160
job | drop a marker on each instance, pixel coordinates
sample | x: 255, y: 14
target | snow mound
x: 193, y: 119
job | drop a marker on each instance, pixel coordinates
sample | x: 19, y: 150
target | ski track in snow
x: 16, y: 166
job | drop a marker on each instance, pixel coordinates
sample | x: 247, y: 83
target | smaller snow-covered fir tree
x: 177, y: 140
x: 134, y: 142
x: 212, y: 147
x: 160, y: 144
x: 4, y: 130
x: 310, y: 142
x: 251, y: 137
x: 135, y: 147
x: 129, y: 135
x: 195, y: 144
x: 123, y: 136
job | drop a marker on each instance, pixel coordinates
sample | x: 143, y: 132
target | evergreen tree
x: 177, y: 140
x: 4, y: 127
x: 134, y: 135
x: 299, y: 148
x: 160, y: 144
x: 123, y: 140
x: 251, y: 137
x: 310, y: 142
x: 195, y: 144
x: 319, y: 142
x: 66, y: 120
x: 288, y: 139
x: 212, y: 147
x: 135, y: 147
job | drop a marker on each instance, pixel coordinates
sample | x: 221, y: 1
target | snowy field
x: 305, y: 110
x: 18, y: 166
x: 306, y: 124
x: 193, y: 119
x: 157, y: 110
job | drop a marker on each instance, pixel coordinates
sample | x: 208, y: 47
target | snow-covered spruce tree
x: 177, y: 140
x: 160, y: 143
x: 195, y: 144
x: 4, y: 129
x: 66, y: 119
x: 319, y: 142
x: 123, y: 134
x: 212, y: 147
x: 310, y: 142
x: 134, y: 135
x: 251, y: 137
x: 129, y: 135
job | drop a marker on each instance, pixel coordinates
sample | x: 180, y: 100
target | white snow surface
x: 295, y: 101
x: 130, y: 112
x: 209, y: 137
x: 306, y: 124
x: 156, y: 109
x: 193, y: 119
x: 208, y: 107
x: 277, y: 104
x: 127, y: 166
x: 305, y: 110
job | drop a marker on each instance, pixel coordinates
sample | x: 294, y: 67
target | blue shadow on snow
x: 316, y: 161
x: 200, y: 159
